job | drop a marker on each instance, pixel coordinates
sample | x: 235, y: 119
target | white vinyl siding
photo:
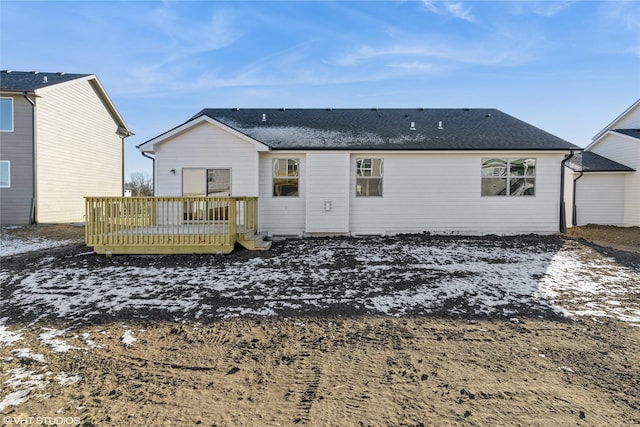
x: 328, y: 180
x: 283, y: 216
x: 78, y: 151
x: 206, y: 146
x: 625, y: 150
x: 600, y: 199
x: 442, y: 193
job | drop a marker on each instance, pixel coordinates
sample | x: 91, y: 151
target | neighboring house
x: 61, y: 138
x: 604, y: 181
x: 369, y: 171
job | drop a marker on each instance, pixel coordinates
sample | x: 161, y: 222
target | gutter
x: 563, y: 216
x: 32, y: 213
x: 574, y: 217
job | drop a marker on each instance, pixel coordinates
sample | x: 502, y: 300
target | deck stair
x: 253, y: 241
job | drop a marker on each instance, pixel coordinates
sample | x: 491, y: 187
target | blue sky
x: 568, y: 67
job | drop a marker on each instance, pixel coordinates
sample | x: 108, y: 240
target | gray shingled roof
x: 23, y: 81
x: 388, y: 129
x: 634, y: 133
x: 591, y: 162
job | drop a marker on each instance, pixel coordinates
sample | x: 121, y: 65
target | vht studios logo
x: 41, y: 421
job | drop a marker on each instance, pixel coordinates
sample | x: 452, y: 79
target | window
x: 5, y: 174
x: 286, y: 177
x: 369, y: 178
x: 508, y: 177
x: 6, y: 114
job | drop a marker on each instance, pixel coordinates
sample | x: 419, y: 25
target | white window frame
x: 362, y: 176
x: 293, y: 166
x: 8, y: 185
x: 509, y: 176
x: 12, y: 115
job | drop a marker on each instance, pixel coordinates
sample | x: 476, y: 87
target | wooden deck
x: 171, y: 225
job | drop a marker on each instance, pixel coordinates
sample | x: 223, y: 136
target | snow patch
x: 127, y: 338
x: 57, y: 346
x: 8, y: 337
x: 25, y: 353
x: 10, y: 245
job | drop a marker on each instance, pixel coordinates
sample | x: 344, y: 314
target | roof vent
x: 466, y: 109
x: 35, y: 72
x: 264, y: 117
x: 60, y: 73
x: 236, y: 109
x: 329, y: 109
x: 413, y: 126
x: 45, y: 79
x: 283, y: 109
x: 440, y: 125
x: 488, y: 115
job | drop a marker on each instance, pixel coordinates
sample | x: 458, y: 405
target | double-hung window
x: 508, y: 177
x: 6, y: 114
x: 369, y: 177
x: 286, y: 177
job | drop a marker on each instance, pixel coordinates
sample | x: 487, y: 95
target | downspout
x: 574, y: 217
x: 153, y: 169
x: 122, y: 166
x: 32, y: 213
x: 563, y: 217
x: 123, y: 133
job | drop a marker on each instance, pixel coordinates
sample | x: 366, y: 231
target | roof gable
x: 38, y: 83
x: 149, y: 146
x: 620, y: 122
x: 387, y: 129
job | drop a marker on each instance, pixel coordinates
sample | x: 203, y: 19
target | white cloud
x: 547, y: 9
x: 504, y: 53
x: 456, y: 9
x: 459, y: 11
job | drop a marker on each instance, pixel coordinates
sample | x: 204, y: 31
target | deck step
x: 253, y: 241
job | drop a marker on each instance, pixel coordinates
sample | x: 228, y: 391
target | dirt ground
x: 623, y: 238
x: 324, y: 370
x: 372, y: 371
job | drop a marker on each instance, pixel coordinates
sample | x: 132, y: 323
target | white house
x: 604, y: 180
x: 370, y: 171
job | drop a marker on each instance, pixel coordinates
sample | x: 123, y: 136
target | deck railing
x: 168, y: 224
